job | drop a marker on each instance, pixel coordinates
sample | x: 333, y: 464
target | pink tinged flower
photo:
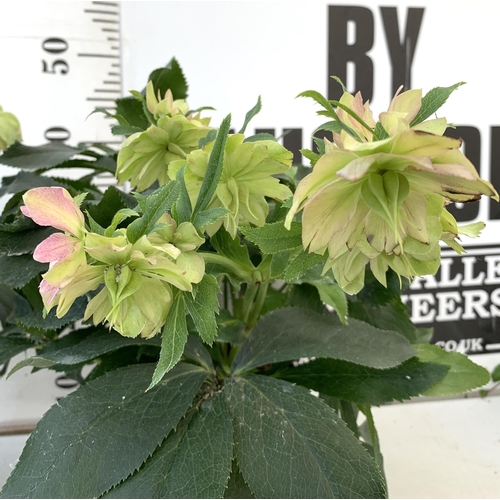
x: 55, y: 248
x: 54, y: 206
x: 49, y: 294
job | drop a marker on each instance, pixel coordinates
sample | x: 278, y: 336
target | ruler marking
x: 109, y: 21
x: 111, y: 82
x: 110, y: 30
x: 90, y: 11
x: 109, y: 99
x: 113, y: 74
x: 114, y: 4
x: 99, y: 55
x: 115, y: 48
x: 113, y: 39
x: 116, y: 65
x: 107, y: 90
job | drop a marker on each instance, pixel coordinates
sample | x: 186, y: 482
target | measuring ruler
x: 60, y: 60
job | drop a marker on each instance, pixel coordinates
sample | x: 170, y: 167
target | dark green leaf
x: 290, y: 444
x: 380, y: 131
x: 310, y: 155
x: 79, y: 348
x: 36, y: 320
x: 293, y: 333
x: 230, y: 328
x: 232, y: 248
x: 37, y: 157
x: 463, y: 374
x: 173, y: 338
x: 250, y: 114
x: 112, y: 200
x: 194, y: 462
x: 203, y: 305
x: 101, y: 433
x: 170, y: 77
x: 12, y: 305
x: 432, y: 101
x: 363, y: 385
x: 10, y: 346
x: 157, y: 204
x: 195, y: 351
x: 275, y: 237
x: 18, y: 270
x: 305, y: 296
x: 212, y: 134
x: 132, y: 111
x: 331, y: 126
x: 214, y: 168
x: 24, y: 181
x: 23, y: 242
x: 236, y: 486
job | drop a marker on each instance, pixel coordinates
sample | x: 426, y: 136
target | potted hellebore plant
x: 233, y: 319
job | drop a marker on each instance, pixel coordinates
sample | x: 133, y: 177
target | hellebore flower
x: 10, y: 129
x: 382, y: 202
x: 139, y: 277
x: 54, y: 206
x: 246, y: 180
x: 144, y: 156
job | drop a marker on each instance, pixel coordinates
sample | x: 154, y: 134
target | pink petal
x: 55, y: 248
x: 49, y: 295
x: 53, y: 206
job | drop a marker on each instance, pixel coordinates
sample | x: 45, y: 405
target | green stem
x: 258, y: 304
x: 248, y: 299
x: 377, y: 454
x: 214, y: 258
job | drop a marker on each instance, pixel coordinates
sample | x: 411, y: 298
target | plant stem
x: 258, y: 304
x: 248, y: 299
x: 377, y: 454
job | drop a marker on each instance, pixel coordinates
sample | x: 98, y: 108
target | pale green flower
x: 382, y: 202
x: 10, y: 129
x: 246, y: 180
x: 144, y: 157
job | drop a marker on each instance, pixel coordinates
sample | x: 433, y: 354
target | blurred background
x: 61, y: 60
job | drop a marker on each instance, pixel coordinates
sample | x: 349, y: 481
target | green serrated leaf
x: 463, y: 374
x: 300, y: 264
x: 250, y: 114
x: 156, y: 204
x: 236, y: 486
x: 24, y: 181
x: 432, y: 101
x: 310, y: 155
x: 331, y: 126
x: 209, y: 216
x: 170, y: 77
x: 17, y: 271
x: 233, y: 249
x: 101, y: 433
x: 23, y: 242
x: 37, y: 157
x: 263, y: 136
x: 193, y: 462
x: 111, y: 202
x: 51, y: 322
x: 290, y: 444
x: 275, y: 237
x: 183, y: 208
x: 173, y: 338
x: 298, y: 333
x: 335, y: 297
x: 363, y: 385
x: 214, y: 168
x: 132, y: 111
x: 12, y: 305
x: 279, y: 262
x: 203, y: 305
